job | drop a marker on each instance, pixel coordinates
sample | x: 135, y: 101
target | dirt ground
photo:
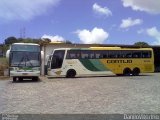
x: 89, y: 95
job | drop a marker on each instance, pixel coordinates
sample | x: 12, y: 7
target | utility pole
x: 23, y: 32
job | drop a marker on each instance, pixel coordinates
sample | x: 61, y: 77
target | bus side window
x: 129, y: 55
x: 71, y: 54
x: 84, y: 55
x: 137, y: 54
x: 104, y: 54
x: 91, y: 56
x: 146, y: 54
x: 97, y: 55
x: 78, y: 56
x: 87, y: 54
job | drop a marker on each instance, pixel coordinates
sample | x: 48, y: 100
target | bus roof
x: 103, y: 48
x: 25, y: 44
x: 118, y: 48
x: 32, y: 47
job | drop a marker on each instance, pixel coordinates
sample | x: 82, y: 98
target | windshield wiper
x: 25, y: 59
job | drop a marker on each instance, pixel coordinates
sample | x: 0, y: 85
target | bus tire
x: 71, y: 73
x: 136, y: 71
x: 127, y: 72
x: 14, y: 79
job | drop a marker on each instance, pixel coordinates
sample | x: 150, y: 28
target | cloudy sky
x: 82, y: 21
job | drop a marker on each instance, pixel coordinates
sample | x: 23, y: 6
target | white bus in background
x: 24, y: 61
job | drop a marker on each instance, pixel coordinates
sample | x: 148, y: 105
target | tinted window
x: 87, y: 54
x: 73, y: 54
x: 32, y: 48
x: 102, y: 54
x: 146, y: 54
x: 25, y: 59
x: 57, y: 59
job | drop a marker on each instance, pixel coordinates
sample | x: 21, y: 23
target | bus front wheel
x: 127, y: 72
x: 135, y: 71
x: 71, y: 73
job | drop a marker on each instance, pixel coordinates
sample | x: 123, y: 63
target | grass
x: 3, y: 65
x: 3, y: 60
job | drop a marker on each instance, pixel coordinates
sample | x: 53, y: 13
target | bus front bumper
x: 14, y: 74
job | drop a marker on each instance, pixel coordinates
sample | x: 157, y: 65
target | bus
x: 98, y: 61
x: 24, y: 61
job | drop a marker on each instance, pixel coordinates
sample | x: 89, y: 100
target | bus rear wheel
x: 127, y: 72
x: 71, y: 73
x: 135, y: 71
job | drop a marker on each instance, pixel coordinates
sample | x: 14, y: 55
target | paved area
x: 111, y: 94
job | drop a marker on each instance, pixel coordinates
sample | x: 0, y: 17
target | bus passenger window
x: 72, y: 56
x: 137, y: 54
x: 97, y: 55
x: 129, y: 55
x: 146, y: 54
x: 91, y: 56
x: 84, y: 56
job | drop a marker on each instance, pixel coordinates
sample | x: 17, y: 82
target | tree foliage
x: 141, y: 44
x: 11, y: 40
x: 68, y: 42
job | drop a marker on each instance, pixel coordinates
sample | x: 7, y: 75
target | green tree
x: 68, y: 42
x: 10, y: 40
x: 3, y: 49
x: 141, y: 44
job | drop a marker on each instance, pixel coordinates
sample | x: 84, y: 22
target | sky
x: 82, y: 21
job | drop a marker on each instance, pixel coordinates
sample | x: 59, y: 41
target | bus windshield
x: 27, y: 59
x: 33, y: 48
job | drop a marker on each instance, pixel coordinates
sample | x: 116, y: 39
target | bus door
x: 57, y: 59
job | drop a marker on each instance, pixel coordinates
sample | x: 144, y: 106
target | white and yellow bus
x: 98, y: 61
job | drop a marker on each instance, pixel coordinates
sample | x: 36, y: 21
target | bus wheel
x: 127, y: 72
x: 14, y: 79
x: 135, y: 71
x: 71, y: 73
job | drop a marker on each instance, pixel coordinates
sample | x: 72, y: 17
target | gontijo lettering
x: 119, y: 61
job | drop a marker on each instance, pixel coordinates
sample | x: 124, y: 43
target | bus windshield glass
x: 33, y: 48
x: 25, y: 59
